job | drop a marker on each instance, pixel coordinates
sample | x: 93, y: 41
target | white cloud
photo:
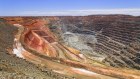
x: 135, y: 12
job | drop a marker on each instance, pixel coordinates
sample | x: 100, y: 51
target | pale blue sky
x: 68, y: 7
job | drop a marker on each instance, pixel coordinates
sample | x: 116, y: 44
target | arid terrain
x: 70, y: 47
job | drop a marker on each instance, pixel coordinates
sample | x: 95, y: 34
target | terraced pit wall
x: 118, y: 36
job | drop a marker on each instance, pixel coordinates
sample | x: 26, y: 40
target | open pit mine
x: 70, y: 47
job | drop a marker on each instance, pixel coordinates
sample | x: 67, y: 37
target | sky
x: 68, y: 7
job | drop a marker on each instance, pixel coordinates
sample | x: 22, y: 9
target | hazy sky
x: 68, y: 7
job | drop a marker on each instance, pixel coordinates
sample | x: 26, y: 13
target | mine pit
x: 111, y: 53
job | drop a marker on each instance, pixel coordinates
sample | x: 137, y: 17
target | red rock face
x: 40, y: 41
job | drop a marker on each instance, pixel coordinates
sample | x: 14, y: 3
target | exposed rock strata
x: 117, y: 37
